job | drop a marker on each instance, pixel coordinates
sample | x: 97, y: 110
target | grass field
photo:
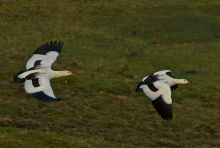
x: 110, y: 46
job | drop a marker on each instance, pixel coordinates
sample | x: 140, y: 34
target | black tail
x: 18, y: 80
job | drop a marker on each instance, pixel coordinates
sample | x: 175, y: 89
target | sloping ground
x: 110, y: 46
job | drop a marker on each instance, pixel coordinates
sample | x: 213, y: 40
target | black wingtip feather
x: 61, y: 46
x: 56, y: 47
x: 39, y: 52
x: 52, y: 46
x: 48, y: 46
x: 47, y: 49
x: 170, y: 74
x: 174, y: 87
x: 138, y: 89
x: 17, y: 79
x: 58, y: 99
x: 44, y: 99
x: 150, y: 79
x: 41, y: 96
x: 42, y: 49
x: 164, y: 109
x: 38, y: 96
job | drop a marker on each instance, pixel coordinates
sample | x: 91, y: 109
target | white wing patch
x: 46, y: 60
x: 162, y: 72
x: 160, y: 94
x: 42, y: 85
x: 45, y: 55
x: 163, y: 89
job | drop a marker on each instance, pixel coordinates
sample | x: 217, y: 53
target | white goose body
x: 157, y: 87
x: 44, y: 71
x: 39, y: 73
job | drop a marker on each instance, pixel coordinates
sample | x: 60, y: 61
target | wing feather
x: 170, y: 74
x: 174, y: 87
x: 43, y: 91
x: 161, y: 99
x: 150, y: 79
x: 46, y: 53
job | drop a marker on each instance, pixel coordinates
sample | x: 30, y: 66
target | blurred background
x: 110, y: 45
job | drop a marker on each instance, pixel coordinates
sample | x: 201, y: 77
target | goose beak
x: 72, y: 74
x: 188, y: 82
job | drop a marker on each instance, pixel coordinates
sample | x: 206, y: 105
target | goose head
x: 182, y: 81
x: 66, y: 73
x: 58, y: 74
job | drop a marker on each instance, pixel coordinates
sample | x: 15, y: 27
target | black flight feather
x: 41, y: 96
x: 150, y: 79
x: 52, y: 46
x: 17, y: 79
x: 164, y: 109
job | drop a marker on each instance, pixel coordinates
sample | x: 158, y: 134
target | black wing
x: 164, y: 109
x: 174, y: 87
x: 41, y: 96
x: 150, y: 79
x: 49, y: 47
x: 170, y: 74
x: 45, y: 55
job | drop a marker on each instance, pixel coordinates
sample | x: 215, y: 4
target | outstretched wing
x: 40, y: 89
x: 160, y: 94
x: 164, y: 109
x: 45, y: 55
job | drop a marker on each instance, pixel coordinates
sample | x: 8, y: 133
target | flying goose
x: 157, y: 87
x: 39, y: 73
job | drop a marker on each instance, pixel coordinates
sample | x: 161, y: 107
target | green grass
x: 110, y: 46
